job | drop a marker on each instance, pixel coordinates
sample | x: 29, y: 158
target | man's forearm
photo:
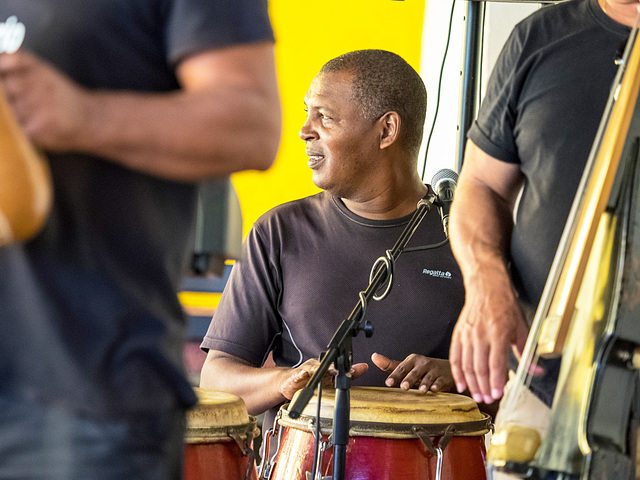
x: 224, y: 118
x: 491, y: 320
x: 258, y: 387
x: 481, y: 225
x: 184, y: 135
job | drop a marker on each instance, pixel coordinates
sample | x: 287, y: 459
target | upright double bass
x: 25, y: 182
x: 589, y: 314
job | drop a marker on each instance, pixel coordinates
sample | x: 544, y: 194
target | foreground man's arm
x: 225, y: 118
x: 491, y: 320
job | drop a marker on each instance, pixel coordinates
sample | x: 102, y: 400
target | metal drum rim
x: 247, y: 431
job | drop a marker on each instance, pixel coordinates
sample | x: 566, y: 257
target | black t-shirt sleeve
x: 197, y: 25
x: 493, y: 130
x: 246, y: 321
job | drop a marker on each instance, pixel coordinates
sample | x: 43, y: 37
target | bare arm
x: 226, y: 117
x: 491, y: 320
x: 260, y: 388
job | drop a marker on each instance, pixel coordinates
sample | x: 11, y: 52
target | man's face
x: 340, y: 143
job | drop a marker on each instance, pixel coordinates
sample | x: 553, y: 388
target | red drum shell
x: 218, y: 460
x: 219, y: 437
x: 379, y: 450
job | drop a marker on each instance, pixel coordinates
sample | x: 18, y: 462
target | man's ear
x: 390, y: 123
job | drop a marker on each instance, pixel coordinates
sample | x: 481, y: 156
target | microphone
x: 444, y: 185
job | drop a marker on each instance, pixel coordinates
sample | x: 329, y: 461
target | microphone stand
x: 340, y: 352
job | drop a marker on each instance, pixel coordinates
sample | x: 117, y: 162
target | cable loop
x: 388, y: 264
x: 363, y: 303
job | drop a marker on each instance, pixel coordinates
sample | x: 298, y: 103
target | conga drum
x: 394, y: 434
x: 219, y: 438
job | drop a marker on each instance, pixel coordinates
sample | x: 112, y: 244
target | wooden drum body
x: 394, y: 434
x: 219, y: 438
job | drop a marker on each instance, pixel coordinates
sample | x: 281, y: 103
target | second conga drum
x: 394, y: 434
x: 219, y: 438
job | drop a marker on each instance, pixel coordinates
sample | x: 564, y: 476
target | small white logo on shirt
x: 437, y: 274
x: 11, y: 35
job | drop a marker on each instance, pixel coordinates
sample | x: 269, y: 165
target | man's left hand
x: 425, y: 373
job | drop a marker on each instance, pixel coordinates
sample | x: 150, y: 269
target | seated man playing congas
x: 305, y: 261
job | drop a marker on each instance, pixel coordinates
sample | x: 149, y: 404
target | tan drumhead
x: 220, y: 416
x: 395, y: 413
x: 216, y: 409
x: 392, y: 405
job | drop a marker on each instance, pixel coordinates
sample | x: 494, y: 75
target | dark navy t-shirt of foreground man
x: 119, y: 96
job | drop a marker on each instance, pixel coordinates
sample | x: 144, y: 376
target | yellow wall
x: 308, y: 34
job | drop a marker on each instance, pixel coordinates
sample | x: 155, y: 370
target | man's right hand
x: 297, y: 378
x: 488, y: 326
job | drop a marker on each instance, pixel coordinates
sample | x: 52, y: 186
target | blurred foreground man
x: 132, y: 102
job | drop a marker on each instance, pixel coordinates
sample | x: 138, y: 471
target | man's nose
x: 307, y: 132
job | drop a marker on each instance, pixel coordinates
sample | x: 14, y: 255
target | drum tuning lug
x: 266, y: 473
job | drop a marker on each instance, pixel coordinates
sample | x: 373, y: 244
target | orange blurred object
x: 26, y: 192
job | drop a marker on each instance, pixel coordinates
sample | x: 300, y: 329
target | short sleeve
x: 493, y: 130
x: 246, y: 321
x: 197, y: 25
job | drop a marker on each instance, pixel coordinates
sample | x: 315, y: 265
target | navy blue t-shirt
x: 89, y: 311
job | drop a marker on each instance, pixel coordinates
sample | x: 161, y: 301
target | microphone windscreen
x: 443, y: 175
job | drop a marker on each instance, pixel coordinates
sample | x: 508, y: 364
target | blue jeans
x: 51, y: 442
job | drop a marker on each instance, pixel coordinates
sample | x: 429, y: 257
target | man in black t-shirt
x: 306, y: 261
x: 534, y: 131
x: 133, y: 103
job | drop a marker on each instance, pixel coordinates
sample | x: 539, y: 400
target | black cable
x: 435, y: 115
x: 426, y: 247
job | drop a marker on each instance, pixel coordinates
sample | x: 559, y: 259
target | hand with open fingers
x: 297, y: 378
x: 487, y: 327
x: 425, y: 373
x: 49, y: 106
